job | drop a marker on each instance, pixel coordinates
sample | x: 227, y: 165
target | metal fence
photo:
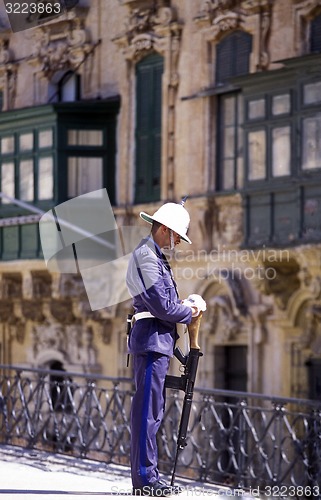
x: 236, y: 439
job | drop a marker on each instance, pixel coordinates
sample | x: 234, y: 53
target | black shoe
x: 157, y: 489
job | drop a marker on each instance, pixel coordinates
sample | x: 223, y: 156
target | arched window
x: 315, y: 34
x: 148, y: 128
x: 233, y: 56
x: 64, y: 87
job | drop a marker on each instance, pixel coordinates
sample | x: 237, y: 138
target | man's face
x: 176, y: 237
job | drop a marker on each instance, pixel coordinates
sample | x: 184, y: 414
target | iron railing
x: 237, y: 439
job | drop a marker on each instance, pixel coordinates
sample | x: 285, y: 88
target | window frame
x: 220, y: 133
x: 17, y: 156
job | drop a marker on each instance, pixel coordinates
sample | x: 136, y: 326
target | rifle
x: 186, y: 383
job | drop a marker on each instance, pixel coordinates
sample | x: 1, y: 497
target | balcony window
x: 48, y: 155
x: 282, y: 151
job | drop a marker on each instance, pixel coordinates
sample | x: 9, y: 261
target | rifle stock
x: 186, y: 383
x: 193, y: 329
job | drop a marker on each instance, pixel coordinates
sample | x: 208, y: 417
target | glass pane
x: 311, y: 157
x: 312, y: 93
x: 228, y: 174
x: 281, y: 104
x: 7, y: 145
x: 26, y: 142
x: 229, y: 143
x: 84, y: 175
x: 240, y: 140
x: 7, y: 180
x: 281, y: 151
x: 229, y: 111
x: 45, y: 138
x: 240, y: 173
x: 256, y: 109
x: 45, y: 178
x: 26, y: 180
x: 85, y: 137
x: 257, y: 155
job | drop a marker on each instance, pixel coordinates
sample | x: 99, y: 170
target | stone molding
x: 8, y: 74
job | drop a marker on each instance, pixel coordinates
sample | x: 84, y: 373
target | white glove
x: 197, y: 302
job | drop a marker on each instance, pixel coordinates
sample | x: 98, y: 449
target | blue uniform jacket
x: 151, y: 284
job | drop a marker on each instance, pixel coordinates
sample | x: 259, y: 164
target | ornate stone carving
x: 49, y: 337
x: 64, y: 50
x: 285, y: 281
x: 223, y: 319
x: 211, y: 9
x: 217, y: 17
x: 74, y: 342
x: 147, y: 31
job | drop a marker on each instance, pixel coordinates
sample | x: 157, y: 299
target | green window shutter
x: 148, y: 128
x: 233, y: 56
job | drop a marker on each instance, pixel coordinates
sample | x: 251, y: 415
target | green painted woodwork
x: 100, y: 115
x: 148, y: 128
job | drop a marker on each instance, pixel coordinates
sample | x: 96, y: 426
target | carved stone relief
x: 73, y: 344
x: 60, y: 47
x: 223, y: 319
x: 222, y: 223
x: 233, y: 313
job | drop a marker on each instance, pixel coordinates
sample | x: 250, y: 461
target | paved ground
x: 26, y: 474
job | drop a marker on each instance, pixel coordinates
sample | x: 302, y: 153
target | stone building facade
x: 219, y: 100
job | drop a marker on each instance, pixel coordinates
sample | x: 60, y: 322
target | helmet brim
x: 150, y: 220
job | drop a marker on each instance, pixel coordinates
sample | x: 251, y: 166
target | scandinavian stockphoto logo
x: 26, y: 14
x: 81, y: 236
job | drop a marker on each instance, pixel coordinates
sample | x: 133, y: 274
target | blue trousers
x: 146, y: 415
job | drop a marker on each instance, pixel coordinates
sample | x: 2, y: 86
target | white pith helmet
x: 172, y: 215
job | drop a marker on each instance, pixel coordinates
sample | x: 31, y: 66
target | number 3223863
x: 33, y: 8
